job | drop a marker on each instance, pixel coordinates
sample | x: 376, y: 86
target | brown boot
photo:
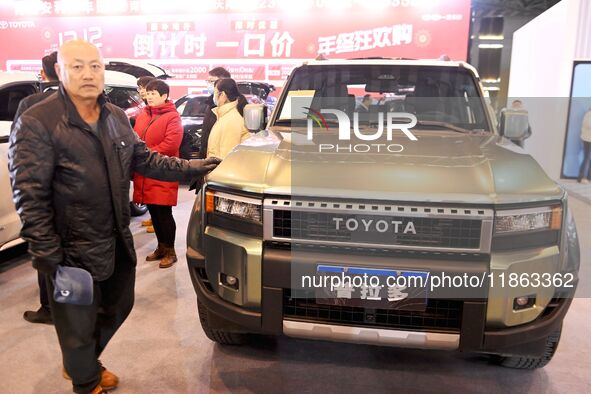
x: 98, y: 390
x: 109, y: 380
x: 159, y: 253
x: 169, y: 258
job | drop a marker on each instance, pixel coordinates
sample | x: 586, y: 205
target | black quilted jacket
x: 71, y: 185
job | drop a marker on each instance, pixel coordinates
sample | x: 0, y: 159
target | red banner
x: 263, y: 44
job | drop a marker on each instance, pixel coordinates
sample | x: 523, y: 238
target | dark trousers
x: 163, y: 222
x: 43, y: 292
x: 584, y: 170
x: 84, y: 331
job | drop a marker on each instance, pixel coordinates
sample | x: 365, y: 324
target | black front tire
x: 519, y: 362
x: 137, y: 209
x: 223, y: 337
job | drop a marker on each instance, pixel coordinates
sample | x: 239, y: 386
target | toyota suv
x: 381, y: 203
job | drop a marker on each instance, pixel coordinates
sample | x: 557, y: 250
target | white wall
x: 541, y: 72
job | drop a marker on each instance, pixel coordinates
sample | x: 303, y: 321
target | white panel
x: 541, y: 72
x: 583, y: 48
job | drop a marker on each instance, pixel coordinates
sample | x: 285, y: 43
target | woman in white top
x: 229, y: 130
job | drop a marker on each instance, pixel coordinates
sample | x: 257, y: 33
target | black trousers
x: 84, y: 331
x: 163, y: 222
x: 43, y: 292
x: 584, y: 170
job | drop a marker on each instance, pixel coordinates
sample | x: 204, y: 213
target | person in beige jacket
x: 229, y: 130
x: 586, y: 137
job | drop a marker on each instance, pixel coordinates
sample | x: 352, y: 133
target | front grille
x: 440, y: 315
x: 431, y: 232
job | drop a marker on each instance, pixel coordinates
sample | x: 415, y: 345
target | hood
x: 439, y: 167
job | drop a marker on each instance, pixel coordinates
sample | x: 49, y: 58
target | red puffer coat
x: 160, y: 127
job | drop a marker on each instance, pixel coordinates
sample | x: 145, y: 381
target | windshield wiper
x: 449, y: 126
x: 329, y: 122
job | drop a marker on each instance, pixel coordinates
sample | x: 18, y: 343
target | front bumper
x: 474, y: 334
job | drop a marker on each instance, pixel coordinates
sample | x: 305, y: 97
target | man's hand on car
x: 203, y: 166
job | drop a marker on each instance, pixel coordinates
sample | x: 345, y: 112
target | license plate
x: 372, y: 288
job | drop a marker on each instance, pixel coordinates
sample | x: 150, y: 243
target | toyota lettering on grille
x: 381, y: 226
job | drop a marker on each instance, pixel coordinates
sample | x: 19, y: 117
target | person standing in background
x: 48, y: 75
x: 160, y: 127
x: 229, y: 129
x: 586, y: 138
x: 209, y: 119
x: 142, y: 82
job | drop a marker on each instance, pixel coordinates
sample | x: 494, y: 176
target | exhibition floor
x: 162, y: 349
x: 580, y: 190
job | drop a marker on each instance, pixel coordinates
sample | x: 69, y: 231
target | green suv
x: 381, y: 203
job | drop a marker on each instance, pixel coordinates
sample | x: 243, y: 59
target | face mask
x: 215, y: 99
x: 209, y: 88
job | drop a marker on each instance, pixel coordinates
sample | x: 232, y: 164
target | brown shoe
x: 147, y: 223
x: 169, y: 258
x: 157, y: 254
x: 109, y: 380
x: 150, y: 229
x: 98, y: 390
x: 42, y: 315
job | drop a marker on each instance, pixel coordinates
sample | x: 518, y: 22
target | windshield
x: 440, y: 97
x: 124, y: 98
x: 192, y: 106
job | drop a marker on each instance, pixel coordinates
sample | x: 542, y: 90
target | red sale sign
x: 257, y: 40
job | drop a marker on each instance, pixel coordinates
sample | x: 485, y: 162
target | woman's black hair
x: 48, y: 62
x: 228, y: 86
x: 144, y: 80
x: 158, y: 85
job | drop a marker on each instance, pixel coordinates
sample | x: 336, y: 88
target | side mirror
x: 255, y: 117
x: 514, y: 124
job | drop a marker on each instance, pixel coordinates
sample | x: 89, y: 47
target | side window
x: 124, y: 98
x: 10, y: 98
x: 195, y: 107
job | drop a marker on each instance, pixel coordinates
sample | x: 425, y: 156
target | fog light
x: 229, y: 281
x: 524, y: 302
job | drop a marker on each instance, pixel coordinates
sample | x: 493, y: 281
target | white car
x: 120, y: 89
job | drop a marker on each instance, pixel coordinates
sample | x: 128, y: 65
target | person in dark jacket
x: 70, y: 164
x: 48, y: 75
x: 160, y: 127
x: 210, y: 118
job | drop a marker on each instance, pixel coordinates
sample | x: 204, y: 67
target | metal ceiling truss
x: 508, y: 8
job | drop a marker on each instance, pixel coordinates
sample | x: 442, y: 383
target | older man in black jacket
x: 70, y: 163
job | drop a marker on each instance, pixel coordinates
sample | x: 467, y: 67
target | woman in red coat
x: 160, y: 127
